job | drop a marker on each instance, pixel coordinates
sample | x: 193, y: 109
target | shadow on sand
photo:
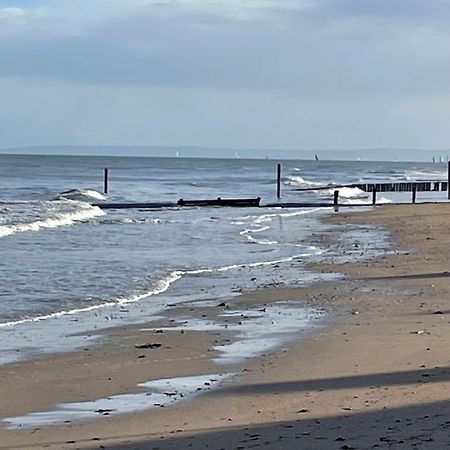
x: 418, y: 276
x: 426, y: 425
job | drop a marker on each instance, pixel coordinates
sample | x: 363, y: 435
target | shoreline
x: 386, y: 308
x: 38, y: 335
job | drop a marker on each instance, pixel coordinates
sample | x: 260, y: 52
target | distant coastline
x: 376, y: 154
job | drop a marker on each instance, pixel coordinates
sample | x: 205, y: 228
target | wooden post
x: 374, y: 195
x: 414, y: 192
x: 105, y: 182
x: 336, y: 201
x: 278, y: 181
x: 448, y: 181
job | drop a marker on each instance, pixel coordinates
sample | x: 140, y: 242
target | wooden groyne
x: 419, y: 186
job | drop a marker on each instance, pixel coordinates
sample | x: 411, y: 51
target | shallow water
x: 154, y: 394
x: 67, y: 265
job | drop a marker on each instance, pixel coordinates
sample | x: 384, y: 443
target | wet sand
x: 377, y: 375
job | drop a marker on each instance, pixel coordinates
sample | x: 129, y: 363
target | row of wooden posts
x: 374, y: 189
x: 336, y: 192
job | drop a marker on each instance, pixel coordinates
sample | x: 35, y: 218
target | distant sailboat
x: 316, y: 157
x: 177, y: 154
x: 434, y: 160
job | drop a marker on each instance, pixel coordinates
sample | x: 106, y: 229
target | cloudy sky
x: 225, y: 73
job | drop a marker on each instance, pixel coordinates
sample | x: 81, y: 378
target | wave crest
x: 85, y: 212
x: 83, y: 195
x: 298, y: 181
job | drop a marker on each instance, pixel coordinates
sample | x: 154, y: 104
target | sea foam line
x: 268, y: 217
x: 160, y: 287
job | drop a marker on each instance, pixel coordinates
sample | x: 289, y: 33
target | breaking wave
x: 347, y: 194
x: 82, y: 195
x: 85, y: 212
x: 298, y: 181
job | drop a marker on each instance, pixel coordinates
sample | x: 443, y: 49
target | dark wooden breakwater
x: 135, y: 205
x: 232, y: 202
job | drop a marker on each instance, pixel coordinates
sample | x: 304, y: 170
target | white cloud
x: 237, y: 9
x: 13, y: 15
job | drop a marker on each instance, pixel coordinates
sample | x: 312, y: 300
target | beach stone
x: 149, y: 346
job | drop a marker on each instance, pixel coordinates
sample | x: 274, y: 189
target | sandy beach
x: 374, y: 374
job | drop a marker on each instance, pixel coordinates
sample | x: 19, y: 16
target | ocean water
x: 60, y: 256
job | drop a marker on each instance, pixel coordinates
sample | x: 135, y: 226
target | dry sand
x: 377, y: 376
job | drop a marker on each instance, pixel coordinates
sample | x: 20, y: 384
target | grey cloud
x: 345, y: 73
x: 292, y: 52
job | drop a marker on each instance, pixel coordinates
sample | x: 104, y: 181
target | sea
x: 69, y: 269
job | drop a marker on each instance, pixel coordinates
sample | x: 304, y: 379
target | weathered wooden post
x: 105, y: 181
x: 414, y: 192
x: 374, y: 195
x: 448, y: 181
x: 336, y: 201
x: 278, y: 181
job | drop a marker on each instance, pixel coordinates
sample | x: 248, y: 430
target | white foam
x: 262, y: 241
x: 136, y: 221
x: 252, y: 239
x: 426, y: 175
x: 85, y: 212
x: 354, y: 196
x: 261, y: 218
x: 269, y: 217
x: 349, y: 192
x: 367, y: 201
x: 298, y: 181
x: 254, y: 230
x: 257, y: 223
x: 158, y: 393
x: 279, y: 261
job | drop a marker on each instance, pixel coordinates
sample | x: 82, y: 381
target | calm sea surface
x: 61, y: 255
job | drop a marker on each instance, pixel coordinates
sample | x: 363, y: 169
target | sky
x: 273, y: 74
